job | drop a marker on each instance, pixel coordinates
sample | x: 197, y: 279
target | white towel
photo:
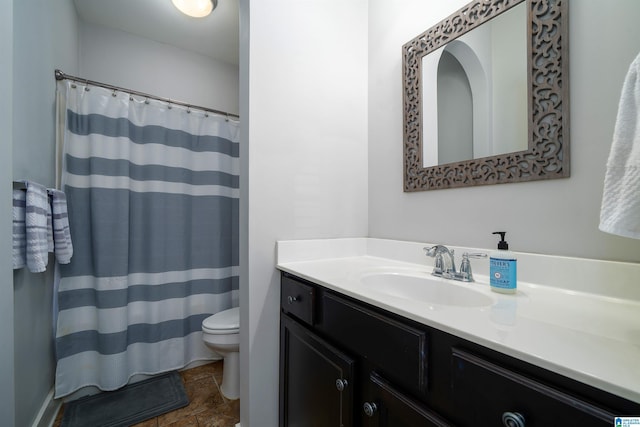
x: 37, y: 208
x: 620, y: 211
x: 19, y: 231
x: 61, y: 233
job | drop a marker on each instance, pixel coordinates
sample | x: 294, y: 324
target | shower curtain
x: 152, y: 192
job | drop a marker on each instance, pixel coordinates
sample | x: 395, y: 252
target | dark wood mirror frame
x: 547, y: 156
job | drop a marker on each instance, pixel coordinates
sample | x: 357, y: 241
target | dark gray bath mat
x: 129, y: 405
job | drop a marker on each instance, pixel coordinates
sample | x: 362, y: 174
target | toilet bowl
x: 220, y: 332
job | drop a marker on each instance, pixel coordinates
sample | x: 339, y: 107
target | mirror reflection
x: 475, y: 92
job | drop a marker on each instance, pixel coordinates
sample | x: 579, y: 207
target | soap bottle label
x: 503, y: 273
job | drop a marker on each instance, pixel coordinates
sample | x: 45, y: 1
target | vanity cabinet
x: 346, y: 363
x: 343, y: 364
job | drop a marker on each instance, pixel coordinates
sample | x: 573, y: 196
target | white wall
x: 250, y: 404
x: 45, y: 38
x: 307, y: 161
x: 133, y: 62
x: 553, y: 217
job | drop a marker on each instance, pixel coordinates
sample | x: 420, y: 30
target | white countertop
x: 592, y: 337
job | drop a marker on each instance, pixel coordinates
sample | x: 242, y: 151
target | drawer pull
x: 341, y: 384
x: 513, y: 419
x: 369, y: 409
x: 291, y: 299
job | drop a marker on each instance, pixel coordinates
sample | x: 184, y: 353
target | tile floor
x: 207, y: 406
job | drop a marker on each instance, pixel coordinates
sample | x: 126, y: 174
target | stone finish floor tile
x: 202, y: 371
x: 153, y: 422
x: 190, y: 421
x: 226, y: 415
x: 207, y: 406
x: 214, y: 420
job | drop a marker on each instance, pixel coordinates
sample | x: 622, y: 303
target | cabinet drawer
x: 297, y: 299
x: 486, y: 392
x: 397, y: 350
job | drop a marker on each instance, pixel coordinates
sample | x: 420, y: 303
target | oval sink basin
x: 426, y: 289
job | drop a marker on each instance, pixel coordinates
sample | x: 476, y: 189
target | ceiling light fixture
x: 195, y: 8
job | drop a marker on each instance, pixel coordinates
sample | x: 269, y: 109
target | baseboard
x: 48, y: 411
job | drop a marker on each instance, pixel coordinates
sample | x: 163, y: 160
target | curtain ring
x: 146, y: 100
x: 114, y: 94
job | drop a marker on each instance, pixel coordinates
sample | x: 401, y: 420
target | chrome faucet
x: 444, y: 264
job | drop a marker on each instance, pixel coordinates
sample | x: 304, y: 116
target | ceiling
x: 215, y: 36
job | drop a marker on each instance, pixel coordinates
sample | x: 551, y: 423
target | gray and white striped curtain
x: 152, y: 191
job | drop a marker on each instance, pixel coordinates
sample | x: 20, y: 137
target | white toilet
x: 220, y: 333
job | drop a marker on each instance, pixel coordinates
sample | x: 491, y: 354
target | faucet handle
x: 465, y: 265
x: 468, y: 255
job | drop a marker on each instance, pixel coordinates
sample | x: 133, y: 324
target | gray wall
x: 45, y: 38
x: 7, y: 398
x: 553, y: 217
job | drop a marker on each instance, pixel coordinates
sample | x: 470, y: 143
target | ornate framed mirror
x: 545, y: 93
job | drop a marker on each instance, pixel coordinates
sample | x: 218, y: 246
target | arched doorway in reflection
x: 464, y: 105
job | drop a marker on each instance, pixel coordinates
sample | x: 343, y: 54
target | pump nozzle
x: 502, y: 244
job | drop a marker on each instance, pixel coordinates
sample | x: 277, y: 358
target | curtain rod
x: 62, y: 76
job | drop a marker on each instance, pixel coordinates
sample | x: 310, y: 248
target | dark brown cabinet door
x: 316, y: 380
x: 385, y: 406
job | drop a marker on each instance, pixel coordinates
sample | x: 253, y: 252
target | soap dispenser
x: 503, y: 267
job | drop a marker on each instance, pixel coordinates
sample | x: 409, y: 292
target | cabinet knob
x: 369, y: 409
x: 513, y: 419
x: 291, y: 299
x: 341, y: 384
